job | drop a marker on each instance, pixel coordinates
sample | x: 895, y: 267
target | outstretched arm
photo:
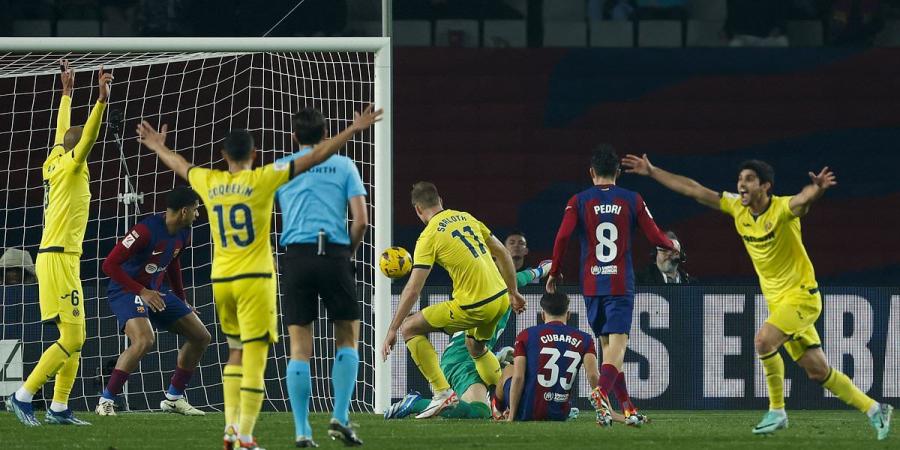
x: 680, y: 184
x: 156, y: 141
x: 92, y: 126
x: 801, y: 202
x: 63, y: 116
x: 321, y: 152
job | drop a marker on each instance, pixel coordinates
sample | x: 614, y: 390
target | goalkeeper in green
x: 456, y: 363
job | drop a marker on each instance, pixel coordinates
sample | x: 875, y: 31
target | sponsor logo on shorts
x: 604, y: 270
x: 140, y: 309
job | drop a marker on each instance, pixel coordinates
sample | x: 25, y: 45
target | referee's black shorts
x: 306, y: 276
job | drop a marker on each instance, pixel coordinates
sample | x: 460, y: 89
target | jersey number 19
x: 240, y: 220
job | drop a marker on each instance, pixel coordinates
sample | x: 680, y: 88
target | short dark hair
x: 238, y: 145
x: 425, y: 194
x: 555, y: 304
x: 764, y: 171
x: 516, y: 233
x: 605, y: 161
x: 309, y: 126
x: 181, y: 197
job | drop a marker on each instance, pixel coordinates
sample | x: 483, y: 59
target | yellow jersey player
x: 66, y: 199
x: 239, y: 204
x: 770, y: 228
x: 482, y: 294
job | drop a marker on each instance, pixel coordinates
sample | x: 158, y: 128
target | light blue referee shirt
x: 317, y: 200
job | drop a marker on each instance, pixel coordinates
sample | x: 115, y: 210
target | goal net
x: 201, y: 89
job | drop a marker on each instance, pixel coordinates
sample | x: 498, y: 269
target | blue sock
x: 108, y: 396
x: 343, y: 381
x: 299, y: 391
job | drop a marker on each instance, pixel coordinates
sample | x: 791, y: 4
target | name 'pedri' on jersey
x: 148, y: 257
x: 553, y: 353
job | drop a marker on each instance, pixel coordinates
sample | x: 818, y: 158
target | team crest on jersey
x: 151, y: 268
x: 140, y: 309
x: 768, y: 226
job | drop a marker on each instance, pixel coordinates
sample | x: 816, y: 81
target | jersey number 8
x: 607, y: 233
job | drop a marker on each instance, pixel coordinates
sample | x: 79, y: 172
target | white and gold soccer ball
x: 395, y: 262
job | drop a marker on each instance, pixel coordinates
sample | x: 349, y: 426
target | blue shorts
x: 127, y: 306
x: 609, y: 314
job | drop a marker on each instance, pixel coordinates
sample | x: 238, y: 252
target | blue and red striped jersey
x: 604, y: 218
x: 553, y: 354
x: 147, y: 257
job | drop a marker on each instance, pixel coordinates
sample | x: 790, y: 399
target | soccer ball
x: 395, y: 262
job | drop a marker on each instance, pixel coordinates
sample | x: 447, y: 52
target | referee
x: 317, y: 264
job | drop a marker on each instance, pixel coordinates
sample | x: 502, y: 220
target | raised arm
x: 64, y: 114
x: 508, y: 272
x: 156, y: 141
x: 680, y: 184
x: 321, y: 152
x: 801, y: 202
x: 92, y: 126
x: 408, y: 298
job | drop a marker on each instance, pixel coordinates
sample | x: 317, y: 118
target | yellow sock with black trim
x: 841, y: 386
x: 252, y: 387
x: 71, y: 338
x: 773, y: 366
x: 231, y: 388
x: 65, y: 379
x: 426, y: 359
x: 488, y: 368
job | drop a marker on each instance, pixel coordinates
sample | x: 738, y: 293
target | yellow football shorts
x: 795, y: 314
x: 59, y: 287
x: 478, y: 320
x: 247, y: 308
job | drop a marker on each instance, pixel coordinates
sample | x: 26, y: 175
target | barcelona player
x: 604, y: 217
x: 482, y: 292
x: 769, y: 225
x: 537, y: 386
x: 67, y: 196
x: 146, y: 291
x: 239, y: 202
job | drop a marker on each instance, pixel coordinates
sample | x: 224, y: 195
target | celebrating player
x: 145, y: 272
x: 239, y: 203
x: 458, y: 366
x: 67, y: 196
x: 607, y: 215
x: 460, y: 243
x: 770, y: 228
x: 547, y: 357
x: 317, y: 263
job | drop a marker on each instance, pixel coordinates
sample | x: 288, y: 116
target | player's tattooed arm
x: 801, y: 202
x: 683, y: 185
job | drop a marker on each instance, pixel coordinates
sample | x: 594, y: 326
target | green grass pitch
x: 670, y: 430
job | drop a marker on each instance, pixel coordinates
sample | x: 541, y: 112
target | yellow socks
x: 841, y: 386
x: 60, y: 360
x: 426, y: 358
x: 773, y: 366
x: 231, y: 387
x: 252, y: 387
x: 488, y: 368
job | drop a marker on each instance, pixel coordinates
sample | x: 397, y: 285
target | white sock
x: 23, y: 395
x: 246, y: 438
x: 58, y: 407
x: 781, y: 412
x: 172, y: 398
x: 873, y: 410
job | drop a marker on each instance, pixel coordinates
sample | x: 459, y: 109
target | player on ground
x: 145, y: 272
x: 547, y: 358
x: 239, y: 203
x: 318, y: 248
x: 481, y: 293
x: 770, y: 228
x: 67, y: 196
x: 458, y: 366
x: 604, y: 216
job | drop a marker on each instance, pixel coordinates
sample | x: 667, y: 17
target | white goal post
x: 340, y: 73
